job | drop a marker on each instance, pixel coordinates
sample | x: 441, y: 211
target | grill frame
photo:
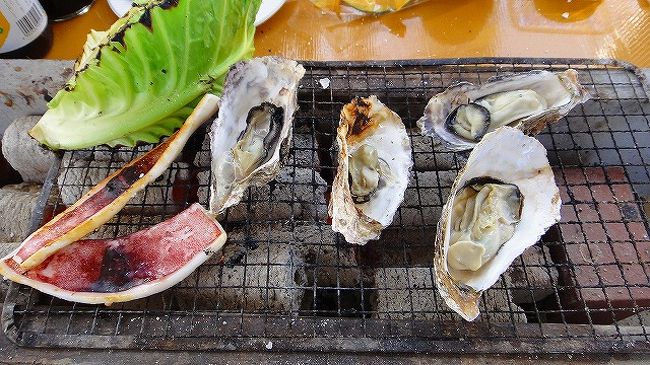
x: 336, y: 331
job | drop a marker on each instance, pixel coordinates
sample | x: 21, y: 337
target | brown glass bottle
x: 25, y: 31
x: 59, y: 10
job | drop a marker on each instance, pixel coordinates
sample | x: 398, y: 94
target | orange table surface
x: 617, y: 29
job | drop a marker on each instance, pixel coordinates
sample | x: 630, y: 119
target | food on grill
x: 124, y: 224
x: 373, y: 170
x: 5, y: 249
x: 409, y: 293
x: 107, y: 198
x: 140, y: 80
x: 460, y: 116
x: 501, y: 203
x: 260, y: 270
x: 17, y: 203
x: 83, y: 169
x: 253, y: 131
x: 23, y: 153
x: 77, y: 175
x: 297, y: 191
x: 107, y: 271
x: 484, y: 216
x: 278, y: 201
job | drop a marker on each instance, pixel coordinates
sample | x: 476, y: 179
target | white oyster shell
x: 249, y: 84
x: 366, y: 121
x: 509, y: 156
x: 561, y: 91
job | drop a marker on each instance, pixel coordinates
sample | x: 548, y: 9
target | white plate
x: 268, y: 8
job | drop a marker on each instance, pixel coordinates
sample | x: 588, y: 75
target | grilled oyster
x: 254, y: 127
x: 373, y: 170
x: 502, y: 202
x: 460, y: 116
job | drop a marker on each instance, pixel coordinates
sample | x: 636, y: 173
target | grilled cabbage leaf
x: 139, y: 80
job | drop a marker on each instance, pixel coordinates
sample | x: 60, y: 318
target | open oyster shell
x: 461, y: 115
x: 513, y: 217
x: 254, y: 127
x: 373, y: 171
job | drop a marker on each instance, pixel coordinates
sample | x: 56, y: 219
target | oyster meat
x: 501, y: 203
x: 253, y: 131
x: 373, y: 170
x: 460, y: 116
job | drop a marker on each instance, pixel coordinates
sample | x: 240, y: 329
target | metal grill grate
x: 287, y: 279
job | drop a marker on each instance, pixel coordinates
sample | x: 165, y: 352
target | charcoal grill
x: 288, y: 283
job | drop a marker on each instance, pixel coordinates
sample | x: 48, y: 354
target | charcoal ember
x: 330, y: 261
x: 400, y: 247
x: 290, y: 195
x: 297, y: 192
x: 304, y: 153
x: 269, y: 277
x: 426, y: 156
x: 203, y: 158
x: 24, y: 153
x: 270, y: 202
x: 531, y: 277
x: 409, y: 293
x: 419, y: 143
x: 265, y: 203
x: 7, y: 247
x: 420, y: 207
x: 424, y: 198
x: 204, y: 187
x: 78, y: 176
x: 17, y: 204
x: 307, y: 188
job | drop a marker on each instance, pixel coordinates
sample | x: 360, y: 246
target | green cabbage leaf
x: 138, y: 81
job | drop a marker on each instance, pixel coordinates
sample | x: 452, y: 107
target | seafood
x: 106, y: 271
x: 108, y: 197
x: 501, y: 203
x: 253, y: 131
x: 463, y: 114
x: 373, y: 171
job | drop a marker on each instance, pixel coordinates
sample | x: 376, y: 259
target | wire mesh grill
x: 285, y: 281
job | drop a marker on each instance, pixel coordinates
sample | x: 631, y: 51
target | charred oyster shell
x: 373, y: 170
x: 460, y: 116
